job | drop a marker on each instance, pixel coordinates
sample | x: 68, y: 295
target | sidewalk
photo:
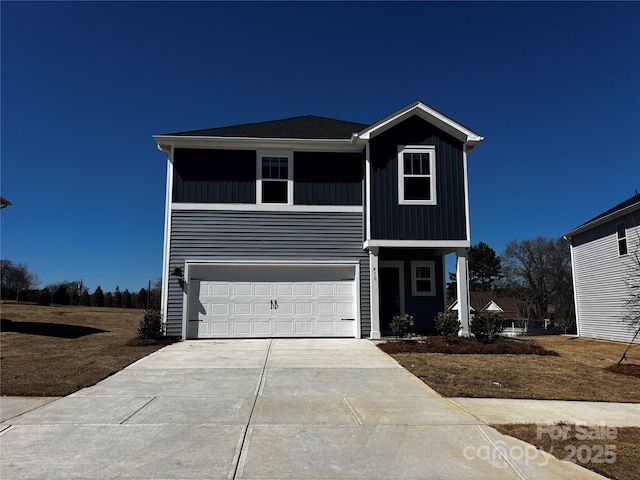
x: 501, y: 411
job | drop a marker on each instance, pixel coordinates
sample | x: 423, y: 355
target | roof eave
x: 602, y: 220
x: 460, y: 132
x: 165, y: 142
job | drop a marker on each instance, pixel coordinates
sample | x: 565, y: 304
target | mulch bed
x: 464, y: 345
x: 630, y: 369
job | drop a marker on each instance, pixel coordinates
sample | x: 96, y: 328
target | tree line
x: 537, y: 272
x: 18, y: 283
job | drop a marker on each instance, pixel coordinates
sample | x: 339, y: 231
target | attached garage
x: 271, y: 300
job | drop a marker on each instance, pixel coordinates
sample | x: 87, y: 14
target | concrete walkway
x: 263, y: 409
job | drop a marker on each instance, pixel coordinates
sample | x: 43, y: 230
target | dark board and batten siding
x: 229, y: 176
x: 214, y: 176
x: 391, y: 221
x: 328, y: 178
x: 265, y: 236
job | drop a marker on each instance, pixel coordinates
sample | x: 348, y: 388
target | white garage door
x: 268, y: 301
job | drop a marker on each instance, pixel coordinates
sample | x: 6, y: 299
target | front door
x: 389, y: 297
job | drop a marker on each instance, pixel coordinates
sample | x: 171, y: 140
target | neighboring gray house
x: 602, y: 255
x: 314, y: 227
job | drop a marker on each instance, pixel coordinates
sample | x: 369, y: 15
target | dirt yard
x: 577, y: 373
x: 582, y: 370
x: 55, y: 351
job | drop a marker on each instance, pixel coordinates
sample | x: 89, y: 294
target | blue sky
x: 553, y: 87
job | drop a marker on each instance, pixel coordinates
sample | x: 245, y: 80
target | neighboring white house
x: 604, y: 255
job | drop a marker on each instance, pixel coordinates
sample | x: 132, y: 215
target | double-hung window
x: 423, y: 280
x: 621, y: 229
x: 275, y: 178
x: 417, y: 175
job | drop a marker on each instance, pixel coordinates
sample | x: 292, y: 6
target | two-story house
x: 314, y: 227
x: 604, y: 258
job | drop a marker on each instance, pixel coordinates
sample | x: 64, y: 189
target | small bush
x: 401, y: 325
x: 486, y: 326
x: 151, y: 326
x: 447, y: 323
x: 44, y: 298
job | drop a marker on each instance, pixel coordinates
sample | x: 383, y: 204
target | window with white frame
x: 275, y: 178
x: 423, y: 278
x: 417, y: 175
x: 621, y: 229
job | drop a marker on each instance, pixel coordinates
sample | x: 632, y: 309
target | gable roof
x: 431, y: 115
x: 630, y: 205
x: 307, y: 126
x: 311, y: 131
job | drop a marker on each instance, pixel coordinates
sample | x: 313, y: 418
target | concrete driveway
x: 264, y: 409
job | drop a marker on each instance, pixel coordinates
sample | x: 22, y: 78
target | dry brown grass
x: 625, y: 442
x: 578, y: 373
x: 54, y: 351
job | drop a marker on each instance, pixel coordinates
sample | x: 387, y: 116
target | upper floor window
x: 275, y: 178
x: 417, y: 175
x: 622, y: 238
x: 423, y: 280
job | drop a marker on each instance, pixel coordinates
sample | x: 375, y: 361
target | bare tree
x: 16, y: 278
x: 538, y: 273
x: 632, y: 281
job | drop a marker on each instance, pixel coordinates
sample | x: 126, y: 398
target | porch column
x: 374, y: 293
x: 462, y: 280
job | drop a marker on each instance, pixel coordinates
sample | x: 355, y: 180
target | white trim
x: 575, y: 289
x: 430, y: 115
x: 357, y: 328
x: 164, y: 293
x: 399, y: 264
x: 431, y: 151
x: 609, y: 218
x: 466, y: 190
x: 445, y: 278
x: 288, y: 154
x: 367, y: 189
x: 267, y: 207
x: 354, y: 144
x: 432, y: 278
x: 374, y: 294
x: 186, y: 287
x: 462, y: 293
x: 418, y: 243
x: 619, y: 239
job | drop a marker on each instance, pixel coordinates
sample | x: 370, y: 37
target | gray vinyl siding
x: 600, y: 279
x: 391, y: 221
x: 265, y: 236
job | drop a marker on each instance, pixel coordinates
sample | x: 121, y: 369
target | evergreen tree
x: 126, y: 299
x: 485, y: 267
x: 142, y: 298
x: 97, y: 299
x: 108, y: 299
x: 117, y: 297
x: 60, y: 296
x: 85, y: 298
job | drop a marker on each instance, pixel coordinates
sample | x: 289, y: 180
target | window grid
x: 621, y: 230
x: 416, y: 175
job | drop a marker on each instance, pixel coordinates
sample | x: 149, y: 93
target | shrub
x: 151, y: 326
x: 44, y: 298
x: 447, y: 323
x: 486, y: 326
x: 401, y: 325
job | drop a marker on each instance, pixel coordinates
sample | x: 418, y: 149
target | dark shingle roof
x: 627, y: 203
x: 308, y: 126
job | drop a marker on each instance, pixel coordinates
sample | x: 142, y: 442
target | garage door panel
x: 240, y: 307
